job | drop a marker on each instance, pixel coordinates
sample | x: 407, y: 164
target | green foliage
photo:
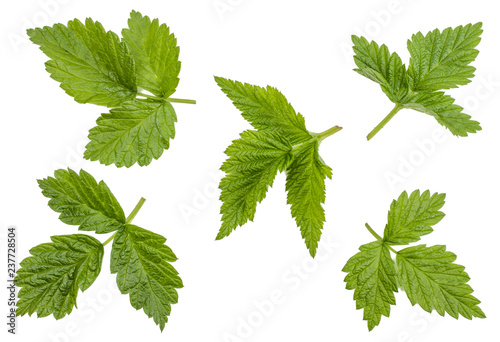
x: 428, y: 275
x: 136, y: 132
x: 254, y: 160
x: 412, y: 216
x: 156, y: 53
x: 305, y: 186
x: 92, y: 64
x: 444, y: 110
x: 372, y: 276
x: 439, y: 61
x: 379, y: 65
x: 280, y: 142
x: 142, y: 263
x: 96, y: 66
x: 82, y: 201
x: 51, y: 277
x: 431, y: 280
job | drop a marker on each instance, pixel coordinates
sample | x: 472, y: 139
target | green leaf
x: 444, y: 110
x: 51, y: 277
x: 431, y: 279
x: 82, y: 201
x: 305, y: 184
x: 254, y: 160
x: 137, y: 132
x: 281, y: 143
x: 95, y: 66
x: 440, y: 60
x: 427, y: 274
x: 379, y: 65
x: 266, y: 109
x: 156, y: 53
x: 372, y: 276
x: 92, y: 65
x: 142, y: 263
x: 412, y: 217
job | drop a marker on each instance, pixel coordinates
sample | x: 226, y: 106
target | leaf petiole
x: 109, y: 240
x: 328, y: 132
x: 170, y: 99
x: 129, y: 219
x: 388, y: 118
x: 378, y: 237
x: 135, y: 211
x: 319, y: 137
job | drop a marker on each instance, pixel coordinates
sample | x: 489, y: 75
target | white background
x: 303, y: 49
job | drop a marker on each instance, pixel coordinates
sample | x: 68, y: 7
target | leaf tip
x: 30, y: 32
x: 219, y: 80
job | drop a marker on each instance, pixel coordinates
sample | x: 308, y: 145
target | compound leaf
x: 428, y: 275
x: 281, y: 143
x: 439, y: 60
